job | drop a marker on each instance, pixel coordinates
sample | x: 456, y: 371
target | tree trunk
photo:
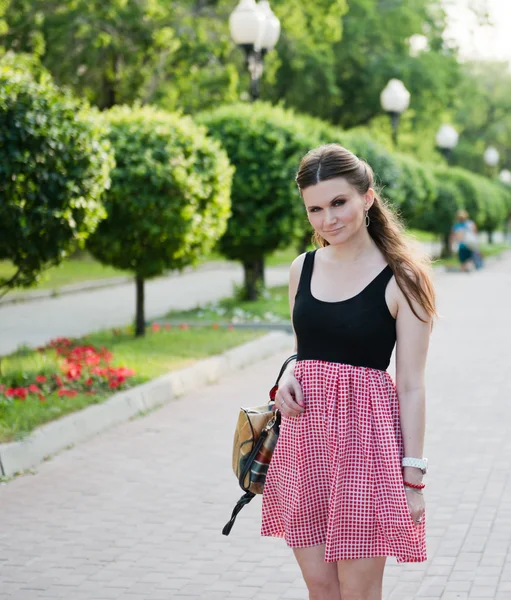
x: 251, y: 268
x: 139, y: 319
x: 490, y: 237
x: 260, y: 272
x: 446, y: 251
x: 304, y: 243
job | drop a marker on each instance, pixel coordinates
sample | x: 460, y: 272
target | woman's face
x: 335, y: 209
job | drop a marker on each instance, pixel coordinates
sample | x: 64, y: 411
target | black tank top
x: 359, y: 331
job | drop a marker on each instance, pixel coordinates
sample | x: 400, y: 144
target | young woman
x: 344, y: 486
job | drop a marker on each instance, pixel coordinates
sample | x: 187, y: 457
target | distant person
x: 464, y: 233
x: 345, y: 483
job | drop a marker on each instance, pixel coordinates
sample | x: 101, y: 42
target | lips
x: 334, y: 230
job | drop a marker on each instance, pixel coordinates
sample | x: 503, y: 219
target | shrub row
x: 174, y: 191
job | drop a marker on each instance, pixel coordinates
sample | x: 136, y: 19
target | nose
x: 330, y: 217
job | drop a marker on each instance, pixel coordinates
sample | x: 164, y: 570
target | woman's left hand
x: 416, y: 504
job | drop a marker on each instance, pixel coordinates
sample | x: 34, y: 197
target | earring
x: 368, y: 220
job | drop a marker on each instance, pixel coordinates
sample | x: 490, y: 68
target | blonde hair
x: 412, y: 269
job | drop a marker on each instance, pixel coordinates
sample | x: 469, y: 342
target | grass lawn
x: 271, y: 307
x: 156, y: 354
x: 74, y: 270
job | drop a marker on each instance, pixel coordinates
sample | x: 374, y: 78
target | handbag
x: 255, y: 437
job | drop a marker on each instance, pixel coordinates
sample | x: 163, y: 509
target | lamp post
x: 505, y: 176
x: 254, y: 28
x: 446, y: 139
x: 491, y: 158
x: 395, y: 99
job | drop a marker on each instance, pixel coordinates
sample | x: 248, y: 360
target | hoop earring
x: 368, y: 220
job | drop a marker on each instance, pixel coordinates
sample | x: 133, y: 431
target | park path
x: 136, y: 513
x: 36, y: 323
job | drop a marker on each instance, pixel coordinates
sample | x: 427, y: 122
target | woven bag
x: 255, y: 437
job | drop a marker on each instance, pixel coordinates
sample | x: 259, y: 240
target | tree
x: 265, y: 144
x: 170, y: 196
x: 54, y: 169
x: 483, y: 115
x: 178, y: 55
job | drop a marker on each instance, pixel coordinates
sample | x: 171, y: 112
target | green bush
x: 53, y: 171
x: 265, y: 144
x: 169, y: 199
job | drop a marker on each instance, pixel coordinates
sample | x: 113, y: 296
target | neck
x: 355, y: 250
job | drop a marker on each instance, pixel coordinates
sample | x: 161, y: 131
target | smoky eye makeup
x: 335, y: 202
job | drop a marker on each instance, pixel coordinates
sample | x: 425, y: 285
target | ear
x: 368, y: 199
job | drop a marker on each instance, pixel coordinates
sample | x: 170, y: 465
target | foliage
x: 54, y: 169
x: 265, y: 144
x: 177, y: 54
x: 169, y: 198
x: 164, y: 349
x: 375, y: 47
x: 483, y: 115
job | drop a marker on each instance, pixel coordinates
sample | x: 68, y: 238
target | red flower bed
x: 83, y: 369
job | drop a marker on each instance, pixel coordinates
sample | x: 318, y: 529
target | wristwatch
x: 419, y: 463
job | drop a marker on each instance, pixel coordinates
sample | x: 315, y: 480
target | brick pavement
x: 136, y: 513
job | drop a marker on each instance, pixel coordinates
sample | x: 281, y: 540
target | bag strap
x: 274, y: 389
x: 245, y: 499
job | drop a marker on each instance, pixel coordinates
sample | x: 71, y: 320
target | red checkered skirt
x: 335, y: 475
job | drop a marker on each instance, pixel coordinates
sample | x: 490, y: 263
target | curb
x: 53, y: 437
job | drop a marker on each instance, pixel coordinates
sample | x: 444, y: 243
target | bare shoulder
x: 296, y: 267
x: 399, y: 299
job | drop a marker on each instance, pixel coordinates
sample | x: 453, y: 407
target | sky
x: 476, y: 41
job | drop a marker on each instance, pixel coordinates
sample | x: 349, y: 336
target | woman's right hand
x: 289, y: 396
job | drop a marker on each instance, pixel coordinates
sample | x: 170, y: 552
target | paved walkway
x: 35, y: 323
x: 136, y: 513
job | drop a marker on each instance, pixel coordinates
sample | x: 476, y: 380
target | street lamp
x: 418, y: 43
x: 395, y: 99
x: 505, y: 176
x: 491, y: 156
x: 255, y: 28
x: 446, y: 140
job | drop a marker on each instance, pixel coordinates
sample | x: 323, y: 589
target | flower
x: 155, y: 327
x: 40, y: 379
x: 70, y: 393
x: 33, y: 388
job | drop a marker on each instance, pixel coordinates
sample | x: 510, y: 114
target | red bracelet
x: 415, y: 486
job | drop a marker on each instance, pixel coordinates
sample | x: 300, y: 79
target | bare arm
x: 412, y: 347
x: 289, y: 397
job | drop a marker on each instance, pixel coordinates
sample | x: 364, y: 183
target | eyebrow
x: 338, y: 197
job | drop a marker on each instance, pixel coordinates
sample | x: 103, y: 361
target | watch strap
x: 419, y: 463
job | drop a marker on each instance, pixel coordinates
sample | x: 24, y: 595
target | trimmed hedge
x: 54, y: 168
x: 265, y: 144
x: 169, y: 201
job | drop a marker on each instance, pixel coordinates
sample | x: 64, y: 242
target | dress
x: 335, y: 477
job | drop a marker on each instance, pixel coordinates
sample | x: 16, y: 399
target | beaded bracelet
x: 415, y: 486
